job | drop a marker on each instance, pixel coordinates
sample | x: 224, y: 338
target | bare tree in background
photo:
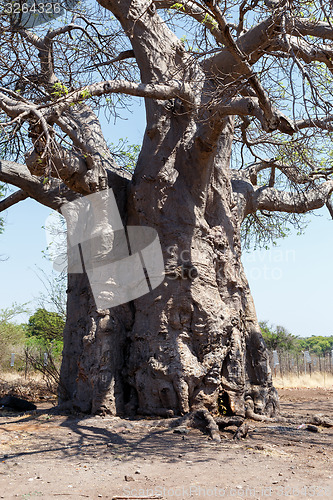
x: 238, y: 99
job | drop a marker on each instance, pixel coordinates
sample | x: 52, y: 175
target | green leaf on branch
x: 59, y: 90
x: 178, y: 6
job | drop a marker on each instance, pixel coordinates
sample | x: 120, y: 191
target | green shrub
x: 46, y: 325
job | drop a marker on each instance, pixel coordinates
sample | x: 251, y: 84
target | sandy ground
x: 57, y: 456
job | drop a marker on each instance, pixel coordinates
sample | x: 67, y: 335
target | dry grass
x: 317, y: 379
x: 33, y: 388
x: 13, y: 376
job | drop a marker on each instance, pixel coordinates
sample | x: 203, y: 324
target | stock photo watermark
x: 193, y: 491
x: 125, y: 263
x: 268, y: 265
x: 33, y: 13
x: 122, y: 263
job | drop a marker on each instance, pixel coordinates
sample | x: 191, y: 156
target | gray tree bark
x: 193, y: 342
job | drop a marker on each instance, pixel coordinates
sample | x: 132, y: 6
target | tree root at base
x: 321, y: 420
x: 241, y: 432
x: 210, y: 424
x: 259, y: 418
x: 203, y: 420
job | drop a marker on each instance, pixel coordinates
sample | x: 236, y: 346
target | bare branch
x: 307, y: 52
x: 126, y: 54
x: 15, y: 107
x: 30, y: 37
x: 244, y: 67
x: 64, y: 29
x: 293, y: 173
x: 13, y: 199
x: 197, y: 12
x: 321, y: 123
x: 254, y: 43
x: 243, y: 9
x: 181, y: 90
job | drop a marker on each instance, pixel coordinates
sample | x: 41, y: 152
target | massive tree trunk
x: 194, y: 341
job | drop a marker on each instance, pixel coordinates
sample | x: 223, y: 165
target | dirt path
x: 51, y: 456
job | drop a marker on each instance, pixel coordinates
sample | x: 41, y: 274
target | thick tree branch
x: 31, y: 37
x: 45, y: 54
x: 244, y: 106
x: 18, y: 109
x: 244, y: 67
x: 266, y: 198
x: 13, y: 199
x: 82, y: 126
x: 265, y: 36
x: 22, y: 110
x: 52, y: 194
x: 15, y: 107
x: 309, y: 27
x: 181, y: 90
x: 254, y: 43
x: 322, y: 123
x: 83, y: 170
x: 159, y: 53
x: 329, y: 206
x: 305, y: 51
x: 91, y: 155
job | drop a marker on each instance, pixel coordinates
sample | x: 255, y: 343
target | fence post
x: 26, y: 365
x: 275, y: 361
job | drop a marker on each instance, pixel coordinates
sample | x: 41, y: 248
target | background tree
x: 46, y: 325
x: 317, y: 344
x: 12, y: 335
x: 278, y: 338
x: 321, y: 347
x: 238, y: 136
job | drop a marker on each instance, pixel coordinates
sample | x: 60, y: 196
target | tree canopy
x: 271, y: 67
x: 278, y: 338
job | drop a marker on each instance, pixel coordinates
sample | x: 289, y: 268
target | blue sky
x: 291, y: 283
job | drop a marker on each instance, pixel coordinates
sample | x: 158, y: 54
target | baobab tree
x: 238, y: 101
